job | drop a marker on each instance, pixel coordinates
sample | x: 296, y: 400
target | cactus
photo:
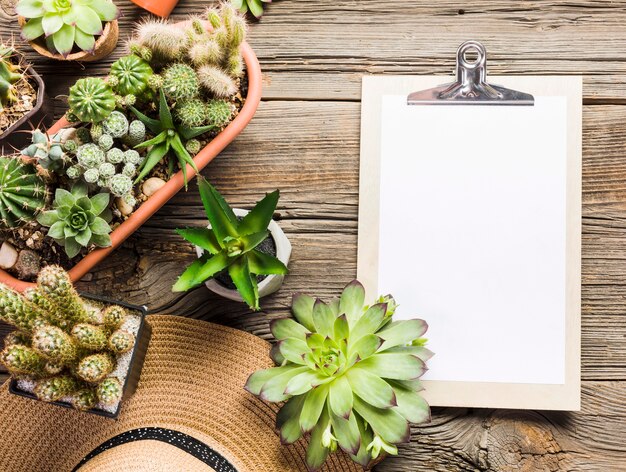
x: 115, y: 156
x: 55, y: 388
x: 216, y: 81
x: 132, y: 73
x: 120, y: 185
x: 191, y: 112
x: 91, y: 176
x: 164, y: 42
x: 219, y: 112
x: 18, y: 311
x: 9, y: 75
x: 121, y: 341
x: 193, y: 146
x: 49, y: 151
x: 21, y: 338
x: 105, y: 142
x: 55, y: 344
x: 95, y: 368
x: 109, y: 391
x: 22, y: 192
x: 89, y: 336
x: 90, y: 156
x: 136, y: 132
x: 54, y: 314
x: 180, y: 82
x: 91, y: 99
x: 116, y: 124
x: 206, y: 52
x: 84, y: 399
x: 57, y: 286
x: 129, y: 170
x: 114, y: 316
x: 95, y: 132
x: 132, y: 157
x: 22, y: 360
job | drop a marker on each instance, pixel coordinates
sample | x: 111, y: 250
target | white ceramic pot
x: 269, y: 284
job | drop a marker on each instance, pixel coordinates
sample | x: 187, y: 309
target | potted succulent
x: 69, y: 30
x: 348, y: 375
x: 85, y: 353
x: 242, y: 255
x: 22, y: 98
x: 137, y: 136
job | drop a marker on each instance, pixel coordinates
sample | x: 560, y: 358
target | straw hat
x: 189, y: 413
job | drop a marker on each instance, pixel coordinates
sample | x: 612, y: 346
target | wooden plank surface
x: 304, y: 140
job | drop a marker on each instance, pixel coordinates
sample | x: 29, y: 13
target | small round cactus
x: 70, y: 145
x: 191, y: 113
x: 22, y: 192
x: 21, y: 338
x: 219, y: 112
x: 121, y: 341
x: 55, y: 388
x: 91, y: 99
x: 105, y: 142
x: 90, y: 156
x: 106, y: 170
x: 53, y: 367
x: 115, y: 155
x: 54, y: 343
x: 95, y: 368
x: 120, y: 185
x: 91, y: 176
x: 216, y: 81
x: 155, y: 82
x: 90, y: 336
x: 129, y: 170
x: 84, y: 399
x: 109, y: 391
x: 130, y: 200
x: 114, y: 316
x: 193, y: 146
x: 116, y: 124
x: 132, y: 73
x: 180, y: 82
x: 20, y: 359
x: 136, y: 132
x: 132, y: 157
x: 73, y: 172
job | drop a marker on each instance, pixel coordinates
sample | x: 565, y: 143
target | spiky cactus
x: 22, y: 192
x: 57, y: 286
x: 121, y: 341
x: 90, y: 337
x: 55, y: 344
x: 219, y: 112
x: 95, y: 368
x: 132, y: 74
x: 116, y: 124
x: 180, y: 82
x: 217, y: 82
x: 9, y: 75
x: 109, y: 391
x: 55, y: 388
x: 22, y: 360
x: 18, y: 311
x: 84, y: 399
x: 191, y: 113
x: 164, y: 42
x: 20, y: 338
x: 91, y: 99
x: 114, y: 316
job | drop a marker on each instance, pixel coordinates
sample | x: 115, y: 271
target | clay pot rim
x: 110, y: 28
x: 173, y: 185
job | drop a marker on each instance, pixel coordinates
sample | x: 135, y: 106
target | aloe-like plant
x: 64, y: 23
x: 169, y: 136
x: 230, y: 244
x: 348, y: 374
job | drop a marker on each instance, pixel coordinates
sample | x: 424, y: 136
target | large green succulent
x: 78, y: 220
x: 66, y: 22
x: 231, y: 244
x: 169, y: 137
x: 348, y: 374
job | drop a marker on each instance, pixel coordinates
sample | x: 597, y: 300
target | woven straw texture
x: 192, y: 382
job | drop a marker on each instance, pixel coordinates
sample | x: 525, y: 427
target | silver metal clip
x: 471, y: 87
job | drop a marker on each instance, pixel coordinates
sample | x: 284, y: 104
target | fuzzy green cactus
x: 105, y: 142
x: 55, y: 344
x: 21, y: 338
x: 116, y: 124
x: 193, y: 146
x: 180, y: 82
x: 191, y: 113
x: 217, y: 82
x: 55, y: 388
x: 109, y: 391
x: 206, y: 52
x: 91, y: 99
x: 120, y: 185
x: 22, y: 192
x: 219, y: 112
x: 132, y: 74
x: 114, y: 316
x: 121, y: 341
x: 165, y: 43
x: 9, y: 75
x: 57, y: 286
x: 84, y: 399
x: 90, y: 337
x: 95, y: 368
x: 22, y: 360
x: 54, y: 314
x: 77, y: 220
x: 16, y: 310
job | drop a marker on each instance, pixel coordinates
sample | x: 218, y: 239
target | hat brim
x: 192, y: 383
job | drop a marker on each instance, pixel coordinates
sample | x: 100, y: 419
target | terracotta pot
x: 161, y: 8
x: 15, y: 136
x: 176, y: 183
x: 105, y: 44
x: 269, y: 284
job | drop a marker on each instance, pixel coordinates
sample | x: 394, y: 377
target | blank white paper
x: 473, y: 235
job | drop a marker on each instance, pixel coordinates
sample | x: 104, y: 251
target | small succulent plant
x: 348, y: 374
x: 230, y: 244
x: 48, y: 150
x: 253, y: 6
x: 91, y: 100
x: 65, y: 23
x: 77, y: 220
x: 22, y: 192
x: 66, y: 345
x: 9, y: 75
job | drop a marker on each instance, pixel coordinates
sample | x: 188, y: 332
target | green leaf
x: 183, y: 155
x: 276, y: 356
x: 48, y: 218
x: 201, y: 237
x: 340, y: 397
x: 185, y: 281
x: 312, y: 408
x: 411, y: 405
x: 365, y: 347
x: 99, y: 203
x: 369, y: 322
x: 302, y: 309
x: 363, y: 457
x: 51, y: 23
x: 30, y: 8
x: 72, y: 248
x: 387, y: 423
x: 371, y: 388
x: 33, y: 29
x: 63, y: 198
x: 190, y: 133
x: 399, y: 333
x: 83, y: 237
x: 246, y: 284
x: 63, y: 40
x: 253, y: 240
x: 341, y: 330
x: 212, y: 266
x: 284, y: 328
x: 84, y: 41
x: 418, y: 351
x: 347, y: 432
x: 106, y: 10
x: 152, y: 124
x: 79, y: 189
x: 275, y: 389
x: 101, y: 240
x: 264, y: 264
x: 152, y: 158
x: 255, y: 382
x: 316, y: 453
x: 57, y: 230
x: 394, y: 366
x: 87, y: 19
x: 165, y: 115
x: 288, y: 420
x: 158, y: 139
x: 223, y: 220
x: 323, y: 318
x: 294, y: 350
x: 352, y: 300
x: 305, y: 381
x: 256, y: 8
x: 258, y: 219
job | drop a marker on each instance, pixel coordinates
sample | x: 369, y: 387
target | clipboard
x: 426, y: 149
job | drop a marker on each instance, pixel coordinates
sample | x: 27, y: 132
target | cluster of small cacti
x: 67, y: 346
x: 22, y: 192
